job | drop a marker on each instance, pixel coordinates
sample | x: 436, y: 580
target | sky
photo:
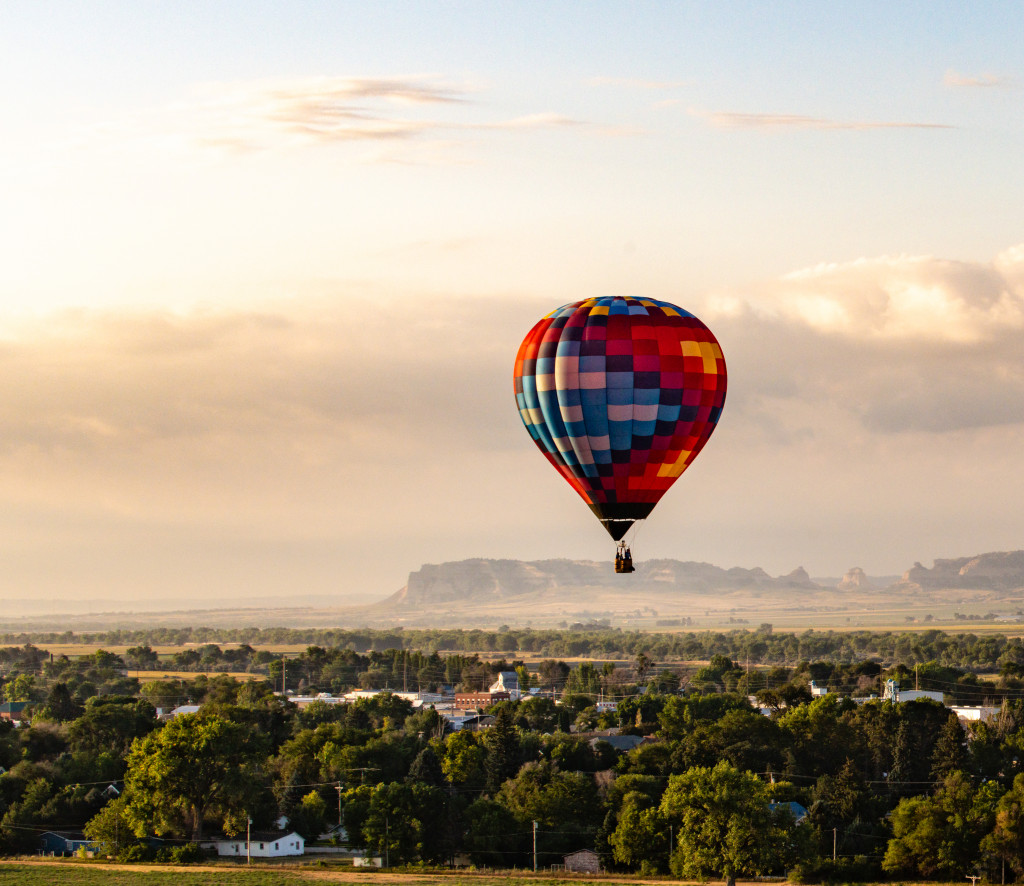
x: 264, y: 269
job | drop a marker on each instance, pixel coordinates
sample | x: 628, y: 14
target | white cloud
x: 738, y: 120
x: 908, y: 343
x: 955, y: 80
x: 282, y: 115
x: 904, y: 298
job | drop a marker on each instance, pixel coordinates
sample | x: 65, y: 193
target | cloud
x: 895, y: 344
x: 322, y: 372
x: 318, y: 110
x: 280, y: 115
x: 736, y: 120
x: 954, y: 80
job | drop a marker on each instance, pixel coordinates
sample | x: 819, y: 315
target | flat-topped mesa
x: 998, y: 571
x: 479, y: 580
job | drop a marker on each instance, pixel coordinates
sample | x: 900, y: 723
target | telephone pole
x: 535, y: 847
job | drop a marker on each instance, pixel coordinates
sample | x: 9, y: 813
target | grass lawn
x: 69, y: 874
x: 72, y: 873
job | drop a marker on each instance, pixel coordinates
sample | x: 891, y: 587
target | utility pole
x: 248, y: 842
x: 387, y: 841
x: 670, y: 847
x: 284, y: 679
x: 535, y: 847
x: 339, y: 808
x: 834, y: 843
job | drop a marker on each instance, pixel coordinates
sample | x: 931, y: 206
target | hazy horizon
x: 266, y: 270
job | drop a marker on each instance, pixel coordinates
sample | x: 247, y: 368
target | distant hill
x: 999, y: 571
x: 687, y: 593
x: 500, y: 580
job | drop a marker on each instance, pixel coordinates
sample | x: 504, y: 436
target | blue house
x: 797, y: 810
x: 64, y: 842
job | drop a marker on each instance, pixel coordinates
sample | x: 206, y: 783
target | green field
x: 68, y: 874
x: 71, y: 873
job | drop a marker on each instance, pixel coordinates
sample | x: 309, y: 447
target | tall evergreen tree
x: 502, y: 747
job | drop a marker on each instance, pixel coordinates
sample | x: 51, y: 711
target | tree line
x: 762, y: 645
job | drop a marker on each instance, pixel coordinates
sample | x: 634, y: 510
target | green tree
x: 724, y: 824
x: 60, y: 706
x: 939, y: 836
x: 426, y: 769
x: 310, y: 818
x: 493, y: 835
x: 501, y: 744
x: 950, y: 748
x: 112, y: 828
x: 196, y: 765
x: 1006, y: 840
x: 463, y: 759
x: 20, y: 688
x: 640, y: 838
x: 111, y: 725
x: 401, y: 824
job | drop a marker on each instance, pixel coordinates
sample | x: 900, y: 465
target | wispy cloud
x: 955, y: 80
x: 276, y: 115
x: 319, y: 110
x: 739, y: 120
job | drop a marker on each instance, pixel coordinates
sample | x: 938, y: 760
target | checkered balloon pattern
x: 620, y: 394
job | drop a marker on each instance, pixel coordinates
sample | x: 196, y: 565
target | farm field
x: 149, y: 676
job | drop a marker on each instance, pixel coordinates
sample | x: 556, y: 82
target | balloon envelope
x: 620, y: 394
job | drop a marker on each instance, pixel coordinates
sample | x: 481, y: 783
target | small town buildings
x: 976, y: 713
x: 260, y: 844
x: 479, y: 699
x: 508, y: 681
x: 418, y: 699
x: 178, y: 711
x: 622, y: 743
x: 584, y: 861
x: 816, y: 690
x: 895, y: 694
x: 60, y: 843
x: 12, y: 710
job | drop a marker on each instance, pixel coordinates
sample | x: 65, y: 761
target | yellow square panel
x: 676, y: 468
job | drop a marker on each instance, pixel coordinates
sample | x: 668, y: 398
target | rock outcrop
x: 998, y: 571
x: 855, y: 579
x: 500, y: 580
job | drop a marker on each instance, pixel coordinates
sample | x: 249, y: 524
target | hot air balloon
x: 620, y: 394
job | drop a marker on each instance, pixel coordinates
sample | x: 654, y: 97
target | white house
x: 976, y: 713
x: 508, y: 681
x: 261, y: 844
x: 178, y: 711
